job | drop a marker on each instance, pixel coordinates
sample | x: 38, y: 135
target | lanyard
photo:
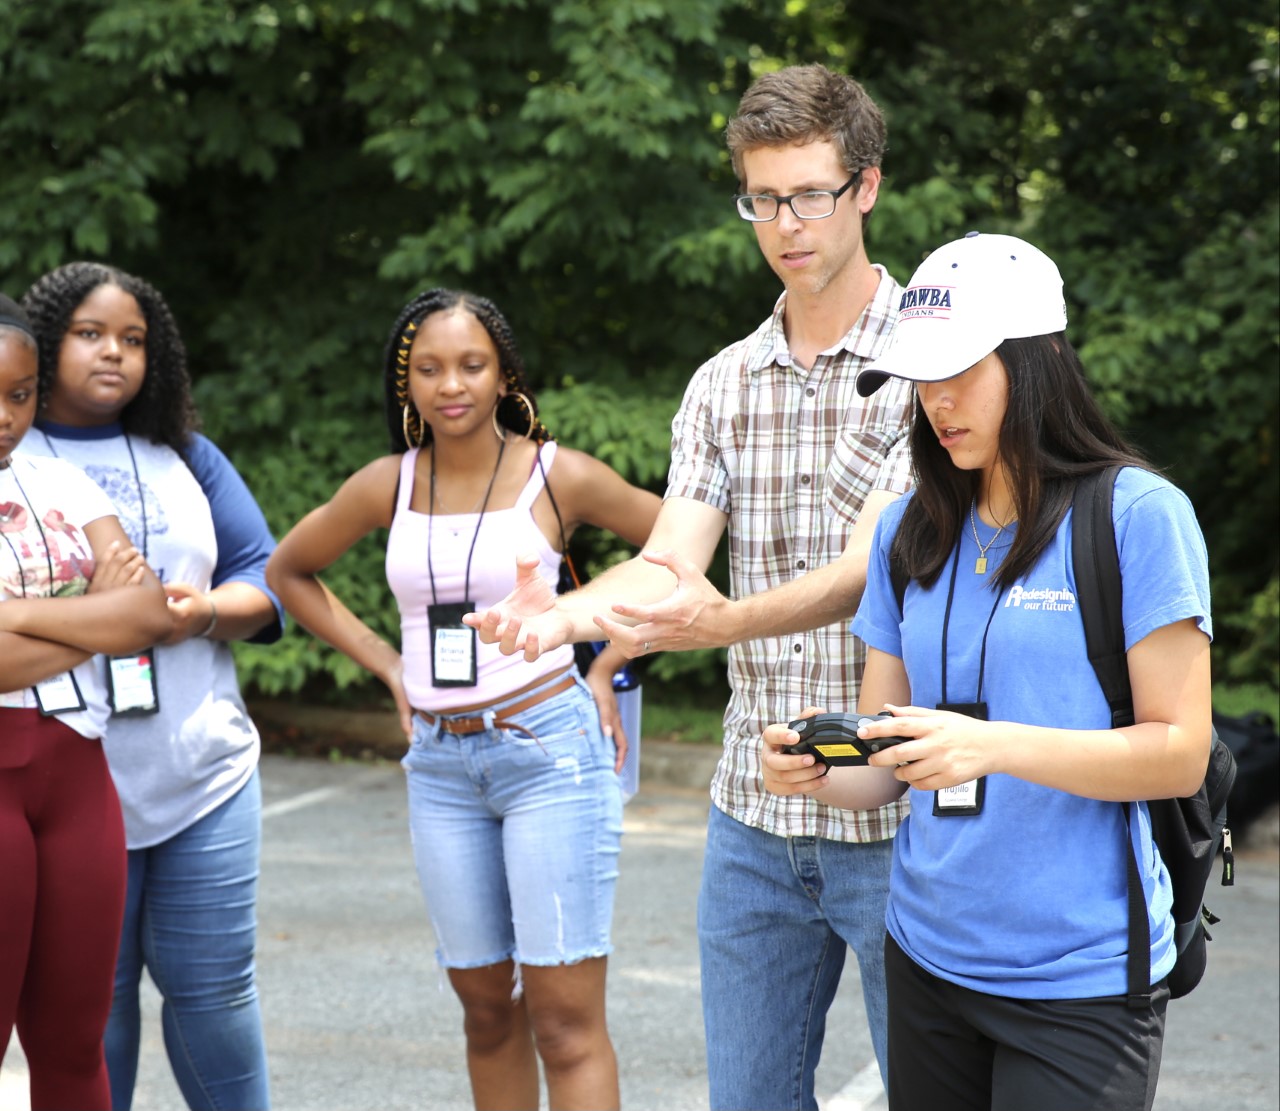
x: 431, y: 516
x: 44, y: 540
x: 946, y: 626
x: 137, y: 479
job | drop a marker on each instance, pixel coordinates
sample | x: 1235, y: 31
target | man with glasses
x: 773, y: 442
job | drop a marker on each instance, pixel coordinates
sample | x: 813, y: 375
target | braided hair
x: 404, y: 423
x: 163, y: 410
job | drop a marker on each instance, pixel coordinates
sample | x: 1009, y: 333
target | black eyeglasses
x: 813, y: 204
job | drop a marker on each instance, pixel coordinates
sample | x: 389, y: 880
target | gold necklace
x: 447, y: 512
x: 980, y: 564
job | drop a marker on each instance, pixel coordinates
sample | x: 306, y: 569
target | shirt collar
x: 861, y: 340
x: 74, y: 432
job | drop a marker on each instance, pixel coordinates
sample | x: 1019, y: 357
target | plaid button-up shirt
x: 790, y: 455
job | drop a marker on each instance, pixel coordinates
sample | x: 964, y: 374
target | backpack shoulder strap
x: 1099, y: 596
x: 1099, y: 591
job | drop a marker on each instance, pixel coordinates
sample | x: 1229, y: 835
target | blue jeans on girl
x: 190, y: 919
x: 516, y: 835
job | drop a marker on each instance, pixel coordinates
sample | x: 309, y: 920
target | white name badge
x: 963, y: 798
x: 453, y: 645
x: 453, y: 660
x: 59, y: 694
x: 131, y: 683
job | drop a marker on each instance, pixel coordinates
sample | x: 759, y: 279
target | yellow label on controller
x: 842, y: 749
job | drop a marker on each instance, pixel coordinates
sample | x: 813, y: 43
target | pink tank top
x: 504, y: 534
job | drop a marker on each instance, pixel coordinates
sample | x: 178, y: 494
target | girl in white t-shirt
x: 116, y: 401
x: 71, y: 587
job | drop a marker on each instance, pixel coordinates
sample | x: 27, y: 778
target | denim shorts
x: 516, y: 836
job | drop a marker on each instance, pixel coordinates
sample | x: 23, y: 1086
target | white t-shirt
x: 44, y: 506
x: 173, y: 767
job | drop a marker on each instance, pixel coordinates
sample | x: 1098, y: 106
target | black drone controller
x: 832, y: 739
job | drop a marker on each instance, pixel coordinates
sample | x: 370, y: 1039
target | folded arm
x: 41, y: 637
x: 242, y: 611
x: 29, y: 660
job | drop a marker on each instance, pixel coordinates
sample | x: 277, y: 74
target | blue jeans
x: 190, y: 920
x: 774, y: 916
x: 516, y: 837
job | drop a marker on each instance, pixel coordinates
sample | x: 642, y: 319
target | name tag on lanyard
x: 131, y: 684
x: 964, y: 799
x: 59, y: 694
x: 453, y: 645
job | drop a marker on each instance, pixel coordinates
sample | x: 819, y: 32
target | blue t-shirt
x: 1028, y: 899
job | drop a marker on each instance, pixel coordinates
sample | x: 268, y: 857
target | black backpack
x: 1255, y: 744
x: 1187, y: 831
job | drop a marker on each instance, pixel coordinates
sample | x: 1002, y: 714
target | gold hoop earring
x: 408, y: 439
x: 528, y: 408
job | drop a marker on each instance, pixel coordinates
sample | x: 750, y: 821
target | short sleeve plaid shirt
x: 790, y: 455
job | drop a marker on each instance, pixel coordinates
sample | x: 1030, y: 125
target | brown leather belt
x: 461, y: 726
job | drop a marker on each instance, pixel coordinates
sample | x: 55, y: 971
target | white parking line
x: 300, y: 802
x: 14, y: 1080
x: 320, y: 794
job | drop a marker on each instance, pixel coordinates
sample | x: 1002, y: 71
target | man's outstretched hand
x: 526, y: 620
x: 694, y: 615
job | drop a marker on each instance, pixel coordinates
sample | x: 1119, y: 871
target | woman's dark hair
x: 512, y: 411
x: 163, y: 411
x: 16, y: 322
x: 1053, y: 432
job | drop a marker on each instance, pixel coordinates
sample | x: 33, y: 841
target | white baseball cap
x: 964, y: 301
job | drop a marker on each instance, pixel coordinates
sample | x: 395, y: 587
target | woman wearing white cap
x: 1008, y: 913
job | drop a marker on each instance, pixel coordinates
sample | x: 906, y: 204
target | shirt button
x: 799, y: 564
x: 804, y: 480
x: 810, y: 392
x: 798, y: 648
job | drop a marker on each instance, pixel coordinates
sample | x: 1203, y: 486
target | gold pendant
x: 980, y: 565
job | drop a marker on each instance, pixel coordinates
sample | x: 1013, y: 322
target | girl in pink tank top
x: 512, y: 768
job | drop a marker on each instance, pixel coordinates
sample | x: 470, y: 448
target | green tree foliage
x: 290, y: 172
x: 1166, y: 200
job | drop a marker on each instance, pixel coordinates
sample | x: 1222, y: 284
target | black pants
x: 958, y: 1049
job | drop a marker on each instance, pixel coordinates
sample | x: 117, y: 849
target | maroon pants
x: 62, y: 888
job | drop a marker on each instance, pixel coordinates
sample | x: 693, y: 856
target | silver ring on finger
x: 647, y: 645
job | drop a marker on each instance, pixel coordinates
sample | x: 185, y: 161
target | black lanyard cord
x: 431, y: 516
x: 137, y: 479
x: 22, y: 574
x: 946, y: 626
x: 142, y: 498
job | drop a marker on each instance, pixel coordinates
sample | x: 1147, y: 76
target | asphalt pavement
x: 358, y: 1016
